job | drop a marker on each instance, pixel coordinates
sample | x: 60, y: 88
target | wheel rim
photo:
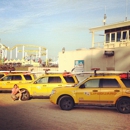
x: 25, y: 96
x: 67, y: 104
x: 124, y: 106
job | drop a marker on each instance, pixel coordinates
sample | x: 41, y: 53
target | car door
x: 39, y: 87
x: 54, y: 82
x: 44, y: 85
x: 8, y: 81
x: 4, y: 81
x: 88, y: 92
x: 110, y: 89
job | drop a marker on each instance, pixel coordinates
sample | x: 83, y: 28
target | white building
x: 112, y: 54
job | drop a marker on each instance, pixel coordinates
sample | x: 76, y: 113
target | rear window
x: 54, y: 80
x: 28, y: 77
x: 16, y: 77
x: 69, y: 79
x: 109, y: 83
x: 126, y: 82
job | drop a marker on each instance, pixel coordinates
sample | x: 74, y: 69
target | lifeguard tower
x: 113, y: 53
x: 115, y: 35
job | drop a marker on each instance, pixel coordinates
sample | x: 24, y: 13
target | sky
x: 55, y: 24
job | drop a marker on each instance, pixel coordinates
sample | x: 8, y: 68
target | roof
x: 110, y: 26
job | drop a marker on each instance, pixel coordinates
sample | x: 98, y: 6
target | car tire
x: 66, y: 103
x: 123, y: 105
x: 25, y: 95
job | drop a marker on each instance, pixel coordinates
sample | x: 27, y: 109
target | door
x: 8, y: 82
x: 54, y: 82
x: 88, y: 92
x: 110, y: 89
x: 44, y: 85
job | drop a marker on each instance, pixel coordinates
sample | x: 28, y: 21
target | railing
x: 99, y: 44
x: 122, y: 43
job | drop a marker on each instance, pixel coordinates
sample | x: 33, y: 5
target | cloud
x: 17, y: 15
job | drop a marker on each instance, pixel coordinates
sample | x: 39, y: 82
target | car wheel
x: 25, y: 95
x: 123, y: 105
x: 66, y: 103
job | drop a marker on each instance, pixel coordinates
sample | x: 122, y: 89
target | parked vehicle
x: 7, y: 82
x: 43, y: 85
x: 103, y: 90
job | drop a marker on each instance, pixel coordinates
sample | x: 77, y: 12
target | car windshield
x: 80, y: 82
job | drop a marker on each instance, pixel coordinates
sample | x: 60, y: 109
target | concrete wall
x: 95, y: 58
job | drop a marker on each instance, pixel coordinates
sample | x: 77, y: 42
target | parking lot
x: 40, y: 114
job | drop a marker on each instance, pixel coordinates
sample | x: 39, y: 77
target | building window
x: 129, y: 35
x: 107, y: 38
x: 113, y: 37
x: 124, y: 35
x: 118, y: 36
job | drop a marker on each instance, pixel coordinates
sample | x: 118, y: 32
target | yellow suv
x: 7, y: 82
x: 100, y: 90
x: 44, y: 84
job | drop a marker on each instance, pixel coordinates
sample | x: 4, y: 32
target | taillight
x: 26, y: 73
x: 6, y: 73
x: 67, y: 74
x: 125, y: 76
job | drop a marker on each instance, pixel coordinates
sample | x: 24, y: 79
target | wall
x: 95, y: 58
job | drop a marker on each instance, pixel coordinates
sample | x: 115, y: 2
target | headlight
x: 53, y: 92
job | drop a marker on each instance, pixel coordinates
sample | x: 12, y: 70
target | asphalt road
x: 40, y: 114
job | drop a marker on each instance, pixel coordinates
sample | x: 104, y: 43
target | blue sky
x: 55, y: 24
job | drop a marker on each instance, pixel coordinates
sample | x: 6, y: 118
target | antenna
x: 105, y: 16
x: 63, y: 50
x: 126, y: 12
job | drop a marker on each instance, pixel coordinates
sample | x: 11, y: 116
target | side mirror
x: 35, y: 82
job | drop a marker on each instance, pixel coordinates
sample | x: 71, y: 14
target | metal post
x: 92, y: 39
x: 23, y: 52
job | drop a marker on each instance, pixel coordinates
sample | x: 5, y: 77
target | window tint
x: 126, y: 82
x: 109, y: 83
x: 94, y: 83
x: 16, y: 77
x: 69, y: 79
x: 54, y: 80
x: 28, y: 77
